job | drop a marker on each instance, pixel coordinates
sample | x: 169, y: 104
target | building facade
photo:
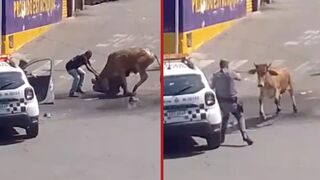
x: 199, y: 21
x: 24, y: 20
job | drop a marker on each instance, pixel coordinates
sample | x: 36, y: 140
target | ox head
x: 263, y: 71
x: 96, y: 85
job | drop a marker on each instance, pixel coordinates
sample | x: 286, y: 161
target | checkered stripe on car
x: 193, y: 114
x: 17, y: 106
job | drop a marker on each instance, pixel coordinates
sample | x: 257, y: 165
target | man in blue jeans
x: 73, y: 67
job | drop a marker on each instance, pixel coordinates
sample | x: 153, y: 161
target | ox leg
x: 124, y: 86
x: 261, y: 112
x: 104, y: 85
x: 294, y: 105
x: 143, y: 78
x: 277, y: 101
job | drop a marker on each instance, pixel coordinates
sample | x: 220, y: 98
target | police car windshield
x: 182, y: 84
x: 10, y: 80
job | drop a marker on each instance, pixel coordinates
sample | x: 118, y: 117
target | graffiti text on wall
x: 24, y: 8
x: 200, y: 6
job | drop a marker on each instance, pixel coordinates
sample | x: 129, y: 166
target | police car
x: 190, y: 105
x: 21, y: 92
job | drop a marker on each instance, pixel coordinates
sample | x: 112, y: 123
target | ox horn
x: 269, y: 65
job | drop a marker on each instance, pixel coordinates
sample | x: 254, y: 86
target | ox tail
x: 148, y: 51
x: 156, y: 57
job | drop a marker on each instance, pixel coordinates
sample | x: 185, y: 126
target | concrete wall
x: 200, y: 20
x: 24, y: 20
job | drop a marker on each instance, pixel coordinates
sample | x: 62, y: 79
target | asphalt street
x: 92, y: 137
x: 285, y: 34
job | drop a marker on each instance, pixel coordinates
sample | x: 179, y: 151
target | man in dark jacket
x: 73, y: 67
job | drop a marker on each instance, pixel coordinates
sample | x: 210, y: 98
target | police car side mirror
x: 22, y: 64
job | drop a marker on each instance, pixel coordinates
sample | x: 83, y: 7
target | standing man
x: 224, y: 84
x: 73, y: 67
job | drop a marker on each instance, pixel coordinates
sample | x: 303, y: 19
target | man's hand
x: 91, y: 69
x: 236, y: 76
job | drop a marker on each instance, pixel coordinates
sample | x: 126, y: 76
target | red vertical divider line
x: 161, y: 93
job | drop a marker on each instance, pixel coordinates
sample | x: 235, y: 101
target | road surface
x: 93, y: 137
x: 286, y: 146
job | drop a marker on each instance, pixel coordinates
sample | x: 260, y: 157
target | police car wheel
x: 32, y: 130
x: 214, y: 140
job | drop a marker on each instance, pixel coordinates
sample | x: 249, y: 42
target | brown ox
x: 273, y: 83
x: 119, y: 66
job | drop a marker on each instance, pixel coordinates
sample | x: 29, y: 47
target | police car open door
x: 39, y: 74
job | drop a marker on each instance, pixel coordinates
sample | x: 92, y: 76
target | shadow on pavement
x: 233, y: 146
x: 255, y: 122
x: 181, y: 147
x: 10, y: 136
x: 88, y: 95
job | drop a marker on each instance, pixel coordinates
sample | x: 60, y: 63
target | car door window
x: 39, y: 73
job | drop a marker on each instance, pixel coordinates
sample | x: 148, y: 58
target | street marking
x: 90, y: 99
x: 277, y: 62
x: 147, y: 37
x: 120, y: 35
x: 46, y: 66
x: 103, y: 45
x: 250, y: 79
x: 198, y: 55
x: 313, y: 40
x: 236, y: 64
x: 56, y: 62
x: 303, y: 93
x: 121, y: 41
x: 291, y: 43
x: 302, y: 66
x: 39, y: 69
x: 65, y: 77
x: 311, y: 32
x: 204, y: 63
x: 313, y: 98
x: 308, y: 38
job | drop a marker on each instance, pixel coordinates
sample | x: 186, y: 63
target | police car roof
x: 179, y: 68
x: 172, y: 57
x: 6, y: 67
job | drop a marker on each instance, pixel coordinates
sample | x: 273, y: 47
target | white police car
x: 21, y: 93
x: 190, y: 105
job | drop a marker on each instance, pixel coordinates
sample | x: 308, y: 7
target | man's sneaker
x: 80, y: 91
x: 248, y: 140
x: 73, y: 95
x: 222, y: 139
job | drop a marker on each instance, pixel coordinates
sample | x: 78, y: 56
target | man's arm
x: 91, y: 70
x: 236, y: 76
x: 212, y: 82
x: 89, y: 67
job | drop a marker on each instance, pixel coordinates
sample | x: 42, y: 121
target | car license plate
x: 176, y: 113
